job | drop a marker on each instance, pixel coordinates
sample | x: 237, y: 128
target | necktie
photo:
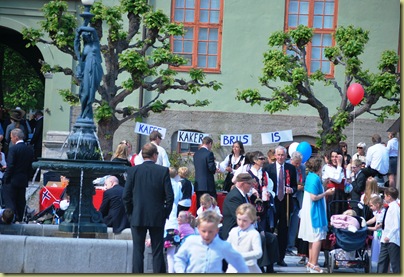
x: 299, y: 171
x: 246, y: 199
x: 281, y: 185
x: 384, y: 217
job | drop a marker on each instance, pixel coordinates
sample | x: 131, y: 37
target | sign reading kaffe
x: 146, y: 129
x: 190, y: 137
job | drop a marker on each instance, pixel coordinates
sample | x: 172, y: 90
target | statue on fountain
x: 89, y: 71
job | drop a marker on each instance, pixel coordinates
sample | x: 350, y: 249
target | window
x: 321, y: 15
x: 201, y: 44
x: 182, y: 147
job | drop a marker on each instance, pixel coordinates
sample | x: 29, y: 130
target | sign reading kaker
x: 190, y: 137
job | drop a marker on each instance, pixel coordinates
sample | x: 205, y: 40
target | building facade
x: 227, y: 38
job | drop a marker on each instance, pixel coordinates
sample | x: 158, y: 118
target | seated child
x: 347, y: 220
x: 7, y: 216
x: 204, y: 253
x: 208, y: 203
x: 186, y: 225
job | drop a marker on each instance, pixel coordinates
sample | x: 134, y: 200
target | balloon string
x: 353, y: 132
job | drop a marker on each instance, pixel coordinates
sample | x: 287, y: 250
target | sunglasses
x: 359, y: 147
x: 262, y: 158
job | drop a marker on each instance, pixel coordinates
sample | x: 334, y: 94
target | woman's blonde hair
x: 247, y: 209
x: 371, y: 188
x: 121, y: 151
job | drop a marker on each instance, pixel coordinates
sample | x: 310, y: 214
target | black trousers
x: 389, y: 253
x: 157, y: 244
x: 281, y: 224
x: 14, y: 198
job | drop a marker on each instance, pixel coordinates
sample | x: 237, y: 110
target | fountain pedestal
x: 81, y: 218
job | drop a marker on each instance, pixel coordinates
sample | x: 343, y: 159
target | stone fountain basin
x: 33, y: 248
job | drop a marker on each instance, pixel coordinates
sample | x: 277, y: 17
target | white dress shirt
x: 392, y: 224
x: 392, y: 147
x: 377, y: 157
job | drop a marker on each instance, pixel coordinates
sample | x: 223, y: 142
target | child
x: 186, y: 225
x: 390, y: 240
x: 187, y: 190
x: 376, y: 205
x: 171, y: 234
x: 6, y: 216
x: 208, y: 203
x: 204, y: 253
x: 245, y: 238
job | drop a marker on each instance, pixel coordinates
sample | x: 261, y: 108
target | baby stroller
x: 350, y: 248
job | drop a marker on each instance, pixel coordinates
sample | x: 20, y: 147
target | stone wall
x: 304, y: 128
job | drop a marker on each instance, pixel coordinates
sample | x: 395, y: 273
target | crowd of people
x: 20, y: 145
x: 261, y: 216
x: 275, y: 204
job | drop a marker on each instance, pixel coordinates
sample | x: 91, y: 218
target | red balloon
x: 355, y: 93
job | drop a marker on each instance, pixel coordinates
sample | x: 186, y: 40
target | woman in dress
x: 314, y: 228
x: 262, y: 189
x: 231, y: 163
x: 333, y: 176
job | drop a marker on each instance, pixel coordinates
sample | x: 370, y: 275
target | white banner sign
x: 190, y: 137
x: 146, y: 129
x: 278, y: 136
x: 228, y: 140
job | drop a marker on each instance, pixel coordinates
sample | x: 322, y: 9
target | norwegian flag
x: 45, y: 196
x: 48, y: 198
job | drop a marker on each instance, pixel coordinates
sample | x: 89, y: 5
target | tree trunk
x: 106, y: 131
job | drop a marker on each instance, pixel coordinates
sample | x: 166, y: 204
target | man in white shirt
x: 162, y: 158
x: 377, y: 158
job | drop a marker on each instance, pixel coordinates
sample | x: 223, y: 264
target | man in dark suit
x: 148, y: 199
x: 205, y: 169
x: 18, y: 172
x: 112, y: 208
x: 235, y: 198
x: 283, y: 175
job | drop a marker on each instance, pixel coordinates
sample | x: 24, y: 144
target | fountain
x: 83, y: 164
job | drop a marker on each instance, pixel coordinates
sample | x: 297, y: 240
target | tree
x: 297, y: 85
x: 20, y: 84
x: 141, y: 51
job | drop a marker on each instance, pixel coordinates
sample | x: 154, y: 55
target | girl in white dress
x: 376, y: 205
x: 313, y: 215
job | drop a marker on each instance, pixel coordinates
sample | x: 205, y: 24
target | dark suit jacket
x: 358, y: 186
x: 233, y: 199
x: 205, y: 168
x: 274, y: 176
x: 148, y: 195
x: 36, y: 139
x: 112, y: 209
x: 19, y: 165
